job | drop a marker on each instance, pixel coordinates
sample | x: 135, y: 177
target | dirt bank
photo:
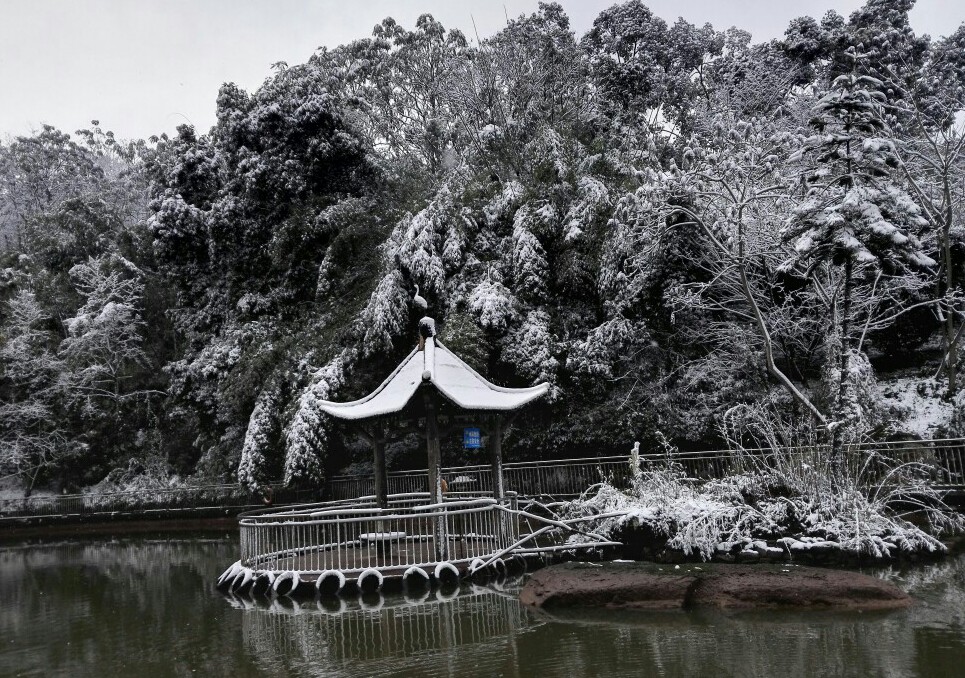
x: 653, y: 586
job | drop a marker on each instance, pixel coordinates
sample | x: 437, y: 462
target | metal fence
x: 570, y: 477
x: 146, y: 502
x: 355, y: 535
x: 560, y: 478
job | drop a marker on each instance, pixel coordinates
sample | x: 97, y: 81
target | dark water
x: 146, y: 607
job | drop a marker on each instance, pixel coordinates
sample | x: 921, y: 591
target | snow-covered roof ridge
x: 390, y: 396
x: 446, y: 371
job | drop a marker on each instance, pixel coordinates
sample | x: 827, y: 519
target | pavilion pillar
x: 496, y: 456
x: 435, y: 476
x: 496, y: 468
x: 381, y: 478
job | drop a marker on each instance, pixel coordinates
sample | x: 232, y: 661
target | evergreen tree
x: 855, y: 217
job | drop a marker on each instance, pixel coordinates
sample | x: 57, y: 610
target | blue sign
x: 471, y: 438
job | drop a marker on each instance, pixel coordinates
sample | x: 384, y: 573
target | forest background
x: 683, y: 232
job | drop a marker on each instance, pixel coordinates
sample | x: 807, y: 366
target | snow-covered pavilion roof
x: 448, y: 373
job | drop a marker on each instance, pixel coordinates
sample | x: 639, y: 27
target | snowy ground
x: 918, y: 405
x: 10, y: 488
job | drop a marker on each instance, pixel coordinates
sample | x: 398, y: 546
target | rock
x: 609, y: 585
x: 648, y: 586
x: 773, y: 554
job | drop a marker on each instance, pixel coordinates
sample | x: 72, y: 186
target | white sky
x: 142, y: 67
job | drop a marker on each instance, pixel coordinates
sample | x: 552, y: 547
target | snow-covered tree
x: 855, y: 218
x: 306, y: 437
x: 31, y: 427
x: 932, y: 157
x: 262, y: 429
x: 104, y: 341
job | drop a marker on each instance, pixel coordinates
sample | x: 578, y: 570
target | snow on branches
x: 385, y: 315
x: 306, y: 438
x: 262, y: 426
x: 493, y: 304
x: 529, y: 349
x: 530, y: 269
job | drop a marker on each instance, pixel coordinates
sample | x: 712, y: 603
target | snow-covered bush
x: 785, y: 497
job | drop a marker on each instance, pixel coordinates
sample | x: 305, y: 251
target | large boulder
x: 623, y: 584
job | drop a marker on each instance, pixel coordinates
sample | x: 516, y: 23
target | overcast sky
x: 143, y: 67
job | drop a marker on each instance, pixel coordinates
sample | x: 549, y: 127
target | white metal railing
x: 353, y: 536
x: 554, y: 477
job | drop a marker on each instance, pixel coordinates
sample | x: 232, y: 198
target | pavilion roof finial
x: 419, y: 300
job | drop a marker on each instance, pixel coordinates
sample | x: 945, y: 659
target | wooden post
x: 376, y: 438
x: 496, y: 458
x: 435, y: 478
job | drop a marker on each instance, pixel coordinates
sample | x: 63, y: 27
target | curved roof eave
x: 451, y: 376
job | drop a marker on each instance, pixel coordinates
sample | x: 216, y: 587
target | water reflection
x: 376, y: 634
x: 147, y: 607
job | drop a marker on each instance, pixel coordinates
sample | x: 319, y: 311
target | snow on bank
x: 11, y: 489
x: 919, y: 408
x: 798, y: 510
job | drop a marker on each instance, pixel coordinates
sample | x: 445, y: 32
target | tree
x: 854, y: 218
x: 34, y: 440
x: 262, y: 228
x: 645, y: 70
x: 932, y: 156
x: 736, y: 186
x: 103, y: 348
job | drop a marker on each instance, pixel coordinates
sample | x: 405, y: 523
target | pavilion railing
x: 354, y: 535
x: 570, y: 477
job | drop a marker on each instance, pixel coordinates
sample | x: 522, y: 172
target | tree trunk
x: 951, y: 344
x: 842, y: 414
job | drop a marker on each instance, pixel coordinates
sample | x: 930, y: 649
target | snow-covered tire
x: 286, y: 583
x: 446, y: 574
x: 330, y: 582
x: 262, y: 583
x: 243, y: 581
x: 224, y: 581
x: 416, y: 579
x: 478, y: 572
x: 370, y: 580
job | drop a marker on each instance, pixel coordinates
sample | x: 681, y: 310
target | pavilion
x: 433, y: 385
x: 415, y: 537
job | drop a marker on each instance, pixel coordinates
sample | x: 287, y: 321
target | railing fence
x: 147, y: 502
x: 570, y: 477
x: 545, y: 478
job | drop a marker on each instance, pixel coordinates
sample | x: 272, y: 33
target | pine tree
x: 855, y: 217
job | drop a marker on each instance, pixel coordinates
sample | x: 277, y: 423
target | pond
x: 146, y: 606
